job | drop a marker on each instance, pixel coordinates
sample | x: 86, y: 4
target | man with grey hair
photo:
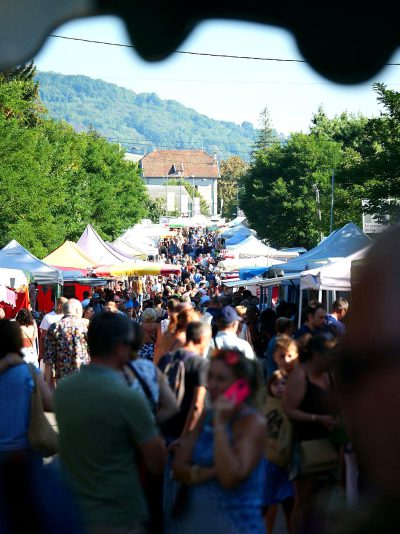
x: 66, y: 343
x: 49, y: 319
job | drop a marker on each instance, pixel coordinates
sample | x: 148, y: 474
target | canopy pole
x: 261, y: 299
x: 270, y: 297
x: 320, y: 295
x: 300, y: 307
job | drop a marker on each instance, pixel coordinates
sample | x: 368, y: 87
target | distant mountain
x: 140, y: 122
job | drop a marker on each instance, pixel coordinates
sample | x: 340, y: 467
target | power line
x: 207, y: 54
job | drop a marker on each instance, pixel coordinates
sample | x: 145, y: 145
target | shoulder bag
x: 41, y: 435
x: 317, y: 456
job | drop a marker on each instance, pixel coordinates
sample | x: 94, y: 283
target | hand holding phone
x: 238, y: 391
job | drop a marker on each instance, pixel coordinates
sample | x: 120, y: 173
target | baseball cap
x: 228, y: 315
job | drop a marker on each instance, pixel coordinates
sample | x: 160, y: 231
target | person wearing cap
x: 226, y: 338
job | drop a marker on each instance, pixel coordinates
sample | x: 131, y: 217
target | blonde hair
x: 241, y: 310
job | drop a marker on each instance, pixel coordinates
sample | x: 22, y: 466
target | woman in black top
x: 310, y: 403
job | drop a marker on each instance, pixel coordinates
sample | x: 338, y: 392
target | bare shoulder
x: 297, y: 375
x: 252, y: 422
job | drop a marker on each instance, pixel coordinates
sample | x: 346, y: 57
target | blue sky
x: 226, y: 89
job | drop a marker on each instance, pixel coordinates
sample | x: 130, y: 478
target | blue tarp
x: 250, y: 272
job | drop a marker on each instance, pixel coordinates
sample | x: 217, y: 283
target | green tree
x: 155, y: 209
x: 280, y: 190
x: 19, y: 95
x: 53, y: 181
x: 381, y: 161
x: 266, y: 135
x: 232, y: 171
x: 346, y: 128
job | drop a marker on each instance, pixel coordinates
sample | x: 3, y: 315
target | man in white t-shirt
x: 226, y: 338
x: 49, y: 319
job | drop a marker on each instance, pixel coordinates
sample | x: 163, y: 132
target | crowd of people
x: 180, y: 405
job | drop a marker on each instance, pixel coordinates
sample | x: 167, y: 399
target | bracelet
x: 194, y: 473
x: 219, y: 427
x: 313, y: 418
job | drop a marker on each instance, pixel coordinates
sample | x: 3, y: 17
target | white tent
x: 334, y: 277
x: 240, y: 263
x: 252, y: 247
x: 15, y: 256
x: 338, y: 245
x: 235, y: 221
x: 91, y: 243
x: 128, y: 249
x: 142, y: 238
x: 13, y: 278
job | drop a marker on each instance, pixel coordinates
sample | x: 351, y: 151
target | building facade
x: 198, y: 168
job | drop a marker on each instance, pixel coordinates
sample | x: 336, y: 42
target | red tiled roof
x: 160, y: 163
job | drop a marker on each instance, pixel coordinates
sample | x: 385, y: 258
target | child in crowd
x: 278, y: 489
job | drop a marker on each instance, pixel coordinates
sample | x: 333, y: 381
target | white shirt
x: 229, y: 340
x: 49, y: 319
x: 157, y: 288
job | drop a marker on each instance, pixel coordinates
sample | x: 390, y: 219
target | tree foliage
x: 53, y: 181
x: 232, y: 170
x: 380, y: 166
x: 287, y: 187
x: 266, y: 135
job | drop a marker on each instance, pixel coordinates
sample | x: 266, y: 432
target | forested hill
x: 139, y: 121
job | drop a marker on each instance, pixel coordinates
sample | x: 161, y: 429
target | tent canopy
x: 334, y: 277
x: 252, y: 247
x: 239, y: 236
x: 13, y: 278
x: 338, y: 245
x: 128, y: 250
x: 260, y: 262
x: 15, y: 256
x: 93, y: 245
x: 235, y: 222
x: 68, y: 257
x: 238, y: 228
x: 139, y: 268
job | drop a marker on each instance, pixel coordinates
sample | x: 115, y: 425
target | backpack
x: 175, y: 374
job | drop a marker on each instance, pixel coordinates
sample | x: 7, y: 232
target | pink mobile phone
x: 238, y: 391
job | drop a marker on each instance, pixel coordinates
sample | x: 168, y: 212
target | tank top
x: 318, y: 401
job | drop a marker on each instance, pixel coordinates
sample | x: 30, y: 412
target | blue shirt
x: 16, y: 385
x: 335, y: 326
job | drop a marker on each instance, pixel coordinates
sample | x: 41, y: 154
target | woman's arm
x: 182, y: 466
x: 168, y: 404
x: 196, y: 409
x: 234, y: 462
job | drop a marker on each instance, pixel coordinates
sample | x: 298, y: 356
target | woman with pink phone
x: 220, y: 464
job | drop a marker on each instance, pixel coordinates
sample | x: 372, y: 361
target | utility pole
x: 332, y: 199
x: 317, y: 198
